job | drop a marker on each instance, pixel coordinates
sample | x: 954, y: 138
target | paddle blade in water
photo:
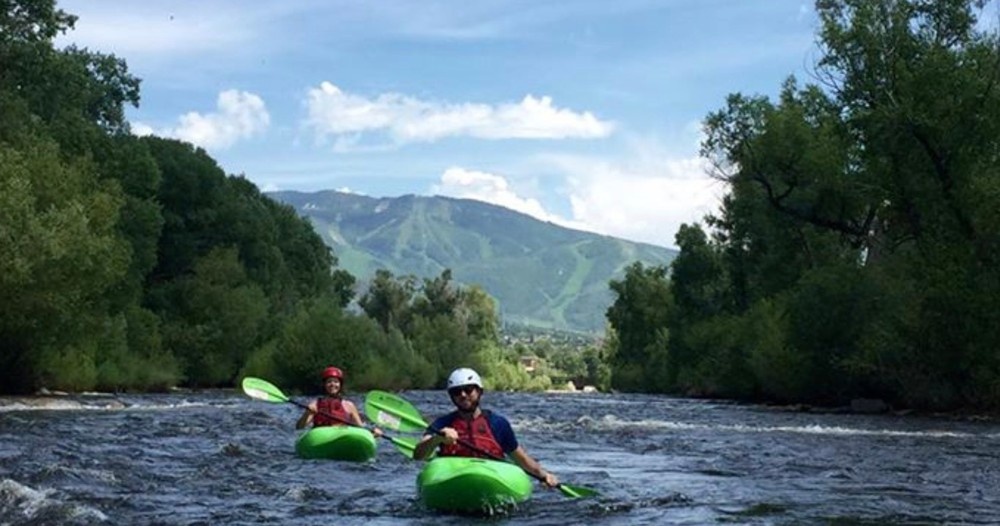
x: 405, y: 445
x: 577, y: 492
x: 263, y: 390
x: 392, y: 412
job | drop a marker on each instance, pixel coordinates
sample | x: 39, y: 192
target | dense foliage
x: 137, y: 263
x: 856, y: 252
x: 127, y: 262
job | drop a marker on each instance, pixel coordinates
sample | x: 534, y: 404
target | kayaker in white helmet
x: 486, y: 430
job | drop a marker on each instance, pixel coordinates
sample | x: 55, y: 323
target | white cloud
x: 333, y: 112
x: 644, y: 199
x: 491, y: 188
x: 645, y: 207
x: 141, y: 129
x: 240, y: 115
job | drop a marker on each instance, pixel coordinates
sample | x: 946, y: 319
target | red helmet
x: 333, y: 372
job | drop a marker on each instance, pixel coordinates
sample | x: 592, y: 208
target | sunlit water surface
x: 221, y: 458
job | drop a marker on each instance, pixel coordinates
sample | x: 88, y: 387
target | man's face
x: 465, y: 397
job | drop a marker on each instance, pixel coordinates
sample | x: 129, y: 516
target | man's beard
x: 471, y: 410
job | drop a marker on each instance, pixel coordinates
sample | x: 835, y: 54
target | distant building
x: 529, y: 363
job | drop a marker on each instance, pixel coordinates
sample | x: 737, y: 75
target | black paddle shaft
x: 324, y: 413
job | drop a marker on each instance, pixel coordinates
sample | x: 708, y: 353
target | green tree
x: 445, y: 343
x: 120, y: 251
x: 388, y: 300
x: 322, y: 334
x: 862, y: 213
x: 643, y: 305
x: 217, y: 320
x: 598, y: 372
x: 477, y: 310
x: 438, y: 297
x: 61, y: 256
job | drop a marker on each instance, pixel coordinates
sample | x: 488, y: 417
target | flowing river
x: 221, y: 458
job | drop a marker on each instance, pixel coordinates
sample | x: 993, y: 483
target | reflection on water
x: 220, y: 458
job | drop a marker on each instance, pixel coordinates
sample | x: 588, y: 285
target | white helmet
x: 464, y: 376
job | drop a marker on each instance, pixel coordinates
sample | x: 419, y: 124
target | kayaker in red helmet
x: 484, y: 429
x: 333, y: 403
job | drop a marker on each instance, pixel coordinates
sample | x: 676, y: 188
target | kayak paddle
x: 393, y: 412
x: 396, y: 413
x: 260, y: 389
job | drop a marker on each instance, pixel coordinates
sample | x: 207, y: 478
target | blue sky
x: 584, y: 113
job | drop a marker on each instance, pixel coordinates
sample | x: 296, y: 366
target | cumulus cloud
x: 141, y: 129
x: 645, y: 199
x: 239, y: 115
x: 334, y: 112
x: 647, y: 202
x: 491, y: 188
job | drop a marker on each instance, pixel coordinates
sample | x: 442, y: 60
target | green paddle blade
x: 405, y: 445
x: 263, y: 390
x: 392, y: 412
x: 577, y: 492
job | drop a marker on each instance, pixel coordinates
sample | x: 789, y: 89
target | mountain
x: 542, y: 274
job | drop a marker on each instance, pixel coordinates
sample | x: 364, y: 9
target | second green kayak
x: 336, y: 443
x: 472, y: 485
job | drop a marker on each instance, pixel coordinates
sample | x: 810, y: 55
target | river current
x: 221, y: 458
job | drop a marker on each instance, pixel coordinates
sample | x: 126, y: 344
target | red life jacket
x: 476, y: 432
x: 333, y: 406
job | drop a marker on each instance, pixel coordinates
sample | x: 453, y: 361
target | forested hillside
x: 541, y: 274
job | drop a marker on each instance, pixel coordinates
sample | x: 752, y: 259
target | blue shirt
x: 499, y: 426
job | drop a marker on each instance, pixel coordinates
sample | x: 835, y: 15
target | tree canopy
x: 855, y: 251
x: 138, y: 263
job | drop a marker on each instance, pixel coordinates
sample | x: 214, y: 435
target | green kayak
x: 336, y: 443
x: 472, y: 485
